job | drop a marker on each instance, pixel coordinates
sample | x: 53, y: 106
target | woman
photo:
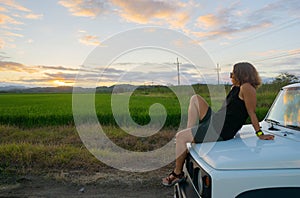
x: 204, y: 125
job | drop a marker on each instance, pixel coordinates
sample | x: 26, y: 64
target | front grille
x: 195, y: 171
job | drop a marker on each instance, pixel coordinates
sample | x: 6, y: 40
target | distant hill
x: 115, y: 89
x: 11, y: 88
x: 66, y: 89
x: 17, y: 89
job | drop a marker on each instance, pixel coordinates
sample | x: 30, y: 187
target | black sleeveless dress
x: 235, y: 116
x: 225, y: 123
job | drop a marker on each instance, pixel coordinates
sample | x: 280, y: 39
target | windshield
x: 286, y: 109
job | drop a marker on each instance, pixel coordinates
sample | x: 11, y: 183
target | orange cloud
x: 2, y: 43
x: 83, y: 8
x: 5, y: 19
x: 143, y: 11
x: 12, y: 16
x: 155, y: 12
x: 11, y: 34
x: 89, y: 40
x: 15, y: 5
x: 208, y: 21
x: 179, y: 20
x: 33, y: 16
x: 2, y: 9
x: 16, y: 67
x: 294, y: 51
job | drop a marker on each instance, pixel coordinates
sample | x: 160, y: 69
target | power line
x: 270, y: 58
x: 281, y: 26
x: 275, y: 57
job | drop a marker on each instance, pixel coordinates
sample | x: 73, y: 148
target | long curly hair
x: 245, y: 72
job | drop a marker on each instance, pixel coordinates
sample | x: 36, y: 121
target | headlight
x: 202, y: 182
x: 198, y: 182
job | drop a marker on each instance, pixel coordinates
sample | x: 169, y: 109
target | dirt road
x: 108, y: 183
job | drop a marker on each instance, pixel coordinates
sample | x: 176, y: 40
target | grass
x: 38, y: 110
x: 38, y: 134
x: 60, y: 148
x: 43, y: 148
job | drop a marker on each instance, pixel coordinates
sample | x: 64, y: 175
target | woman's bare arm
x: 248, y: 94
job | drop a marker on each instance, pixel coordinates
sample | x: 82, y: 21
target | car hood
x: 248, y: 152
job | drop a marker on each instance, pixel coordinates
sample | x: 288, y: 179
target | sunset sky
x: 45, y: 42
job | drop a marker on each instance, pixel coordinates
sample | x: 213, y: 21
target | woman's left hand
x: 266, y: 137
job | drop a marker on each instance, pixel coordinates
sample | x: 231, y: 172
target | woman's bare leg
x: 197, y: 110
x: 182, y: 138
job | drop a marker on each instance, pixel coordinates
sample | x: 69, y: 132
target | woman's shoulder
x: 247, y: 87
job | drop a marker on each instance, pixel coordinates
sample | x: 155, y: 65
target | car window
x: 286, y: 109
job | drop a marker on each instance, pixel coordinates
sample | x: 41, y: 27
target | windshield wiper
x: 272, y: 121
x: 272, y: 124
x: 293, y: 126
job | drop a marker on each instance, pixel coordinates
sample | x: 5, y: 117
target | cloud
x: 89, y: 40
x: 288, y: 59
x: 208, y: 21
x: 11, y: 18
x: 291, y: 7
x: 15, y: 67
x: 61, y: 68
x: 11, y: 66
x: 33, y: 16
x: 34, y: 81
x: 145, y: 11
x: 159, y: 12
x: 15, y: 5
x: 5, y: 19
x: 224, y: 21
x: 276, y: 54
x: 42, y: 74
x: 3, y: 54
x: 2, y: 43
x: 2, y: 9
x: 267, y: 53
x: 11, y: 34
x: 229, y: 20
x: 158, y: 73
x: 85, y: 8
x: 61, y: 76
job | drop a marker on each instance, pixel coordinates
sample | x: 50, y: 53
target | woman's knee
x: 178, y: 136
x: 199, y: 102
x: 184, y: 136
x: 195, y: 98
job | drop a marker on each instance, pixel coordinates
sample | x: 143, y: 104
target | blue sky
x: 45, y: 43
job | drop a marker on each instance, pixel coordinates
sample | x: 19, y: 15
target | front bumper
x: 185, y: 190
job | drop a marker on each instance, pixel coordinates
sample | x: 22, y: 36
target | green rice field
x: 54, y: 109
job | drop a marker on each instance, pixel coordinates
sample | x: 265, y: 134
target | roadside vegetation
x: 38, y: 134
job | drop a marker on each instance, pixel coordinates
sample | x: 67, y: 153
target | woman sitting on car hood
x: 204, y: 125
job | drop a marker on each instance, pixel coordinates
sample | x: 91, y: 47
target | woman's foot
x: 173, y: 178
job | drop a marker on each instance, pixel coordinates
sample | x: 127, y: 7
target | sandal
x: 173, y: 178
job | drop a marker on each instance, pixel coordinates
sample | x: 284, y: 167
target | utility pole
x: 178, y: 74
x: 218, y: 72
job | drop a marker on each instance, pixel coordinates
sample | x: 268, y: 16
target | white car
x: 246, y: 166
